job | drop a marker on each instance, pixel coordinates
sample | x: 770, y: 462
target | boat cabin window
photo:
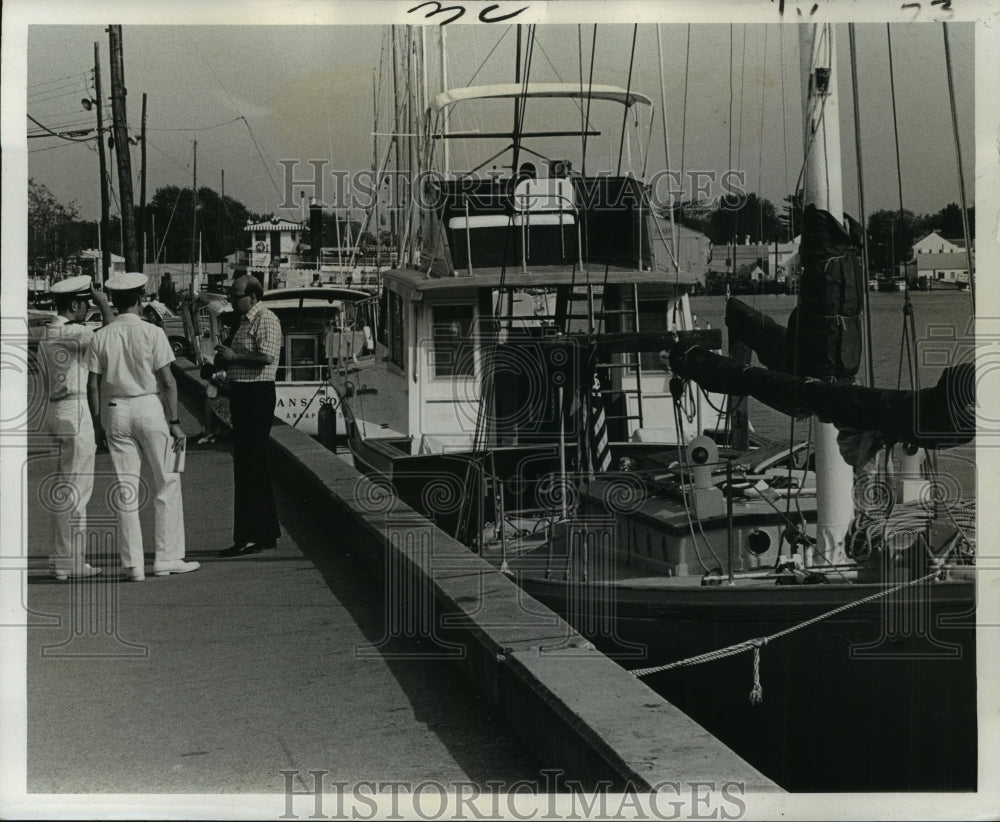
x: 302, y: 360
x: 394, y: 330
x: 453, y: 348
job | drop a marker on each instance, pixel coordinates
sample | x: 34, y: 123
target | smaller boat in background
x: 289, y: 254
x: 318, y: 329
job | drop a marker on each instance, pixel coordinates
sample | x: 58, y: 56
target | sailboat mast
x: 446, y: 149
x: 823, y: 188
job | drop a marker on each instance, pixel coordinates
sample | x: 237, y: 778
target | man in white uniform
x: 131, y: 383
x: 62, y: 354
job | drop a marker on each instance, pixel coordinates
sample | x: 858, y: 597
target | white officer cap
x: 129, y: 281
x: 72, y: 285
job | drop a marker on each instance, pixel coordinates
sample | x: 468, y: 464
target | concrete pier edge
x: 576, y: 710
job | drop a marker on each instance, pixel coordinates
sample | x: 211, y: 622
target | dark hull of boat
x: 881, y: 697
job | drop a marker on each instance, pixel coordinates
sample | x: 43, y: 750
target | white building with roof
x: 940, y: 262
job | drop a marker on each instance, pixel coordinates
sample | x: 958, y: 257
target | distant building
x: 693, y: 249
x: 940, y: 262
x: 771, y: 266
x: 88, y: 261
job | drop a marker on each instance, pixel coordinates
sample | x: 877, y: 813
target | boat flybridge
x: 528, y: 295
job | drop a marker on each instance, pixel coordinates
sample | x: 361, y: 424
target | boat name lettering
x: 486, y: 14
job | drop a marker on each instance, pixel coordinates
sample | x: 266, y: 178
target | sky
x: 253, y: 95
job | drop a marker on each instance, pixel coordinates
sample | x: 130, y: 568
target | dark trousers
x: 255, y: 518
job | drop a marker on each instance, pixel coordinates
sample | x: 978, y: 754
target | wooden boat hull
x: 881, y: 696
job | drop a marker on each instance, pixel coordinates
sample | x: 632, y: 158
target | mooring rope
x: 757, y: 692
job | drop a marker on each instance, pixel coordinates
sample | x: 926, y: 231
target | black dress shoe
x: 240, y: 549
x: 268, y: 544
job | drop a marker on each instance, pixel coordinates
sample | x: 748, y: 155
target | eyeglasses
x: 235, y: 297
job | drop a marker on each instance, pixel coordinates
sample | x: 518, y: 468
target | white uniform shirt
x: 63, y: 352
x: 128, y: 352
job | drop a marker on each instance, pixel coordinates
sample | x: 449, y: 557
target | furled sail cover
x: 941, y: 416
x: 824, y: 331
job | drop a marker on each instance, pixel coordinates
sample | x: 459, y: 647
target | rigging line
x: 475, y: 74
x: 260, y: 154
x: 961, y: 173
x: 895, y: 126
x: 196, y: 128
x: 784, y: 133
x: 555, y: 71
x: 621, y: 148
x: 684, y: 112
x: 170, y: 220
x: 590, y: 96
x: 760, y: 158
x: 730, y: 164
x: 628, y: 92
x: 909, y: 330
x: 743, y: 77
x: 176, y: 162
x: 862, y: 214
x: 666, y: 150
x: 56, y: 134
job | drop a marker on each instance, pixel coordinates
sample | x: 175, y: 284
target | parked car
x: 173, y: 325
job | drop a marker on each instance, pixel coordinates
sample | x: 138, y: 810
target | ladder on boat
x: 614, y: 318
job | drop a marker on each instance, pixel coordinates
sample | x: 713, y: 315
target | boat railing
x: 550, y: 204
x: 477, y: 215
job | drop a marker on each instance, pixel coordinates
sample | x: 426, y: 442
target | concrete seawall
x: 575, y: 709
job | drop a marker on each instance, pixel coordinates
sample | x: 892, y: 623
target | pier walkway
x: 217, y: 680
x: 294, y: 660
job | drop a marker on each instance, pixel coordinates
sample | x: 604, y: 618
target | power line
x: 75, y: 76
x: 57, y: 134
x: 51, y: 148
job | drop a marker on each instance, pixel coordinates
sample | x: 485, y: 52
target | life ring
x: 260, y: 247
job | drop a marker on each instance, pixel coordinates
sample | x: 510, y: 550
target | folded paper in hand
x: 173, y: 461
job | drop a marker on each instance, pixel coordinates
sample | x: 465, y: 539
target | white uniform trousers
x: 137, y: 432
x: 67, y: 420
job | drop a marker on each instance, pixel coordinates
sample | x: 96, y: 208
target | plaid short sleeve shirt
x: 259, y: 331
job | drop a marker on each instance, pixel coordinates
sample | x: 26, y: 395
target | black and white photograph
x: 500, y: 410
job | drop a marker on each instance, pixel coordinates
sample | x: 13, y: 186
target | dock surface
x: 217, y: 680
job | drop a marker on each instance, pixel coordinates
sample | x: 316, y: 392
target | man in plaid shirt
x: 251, y: 363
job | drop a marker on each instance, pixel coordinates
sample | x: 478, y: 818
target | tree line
x: 749, y: 218
x: 56, y: 234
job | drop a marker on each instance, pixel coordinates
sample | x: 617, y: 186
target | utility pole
x: 222, y: 261
x: 103, y: 234
x: 142, y: 189
x: 118, y: 113
x: 194, y: 215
